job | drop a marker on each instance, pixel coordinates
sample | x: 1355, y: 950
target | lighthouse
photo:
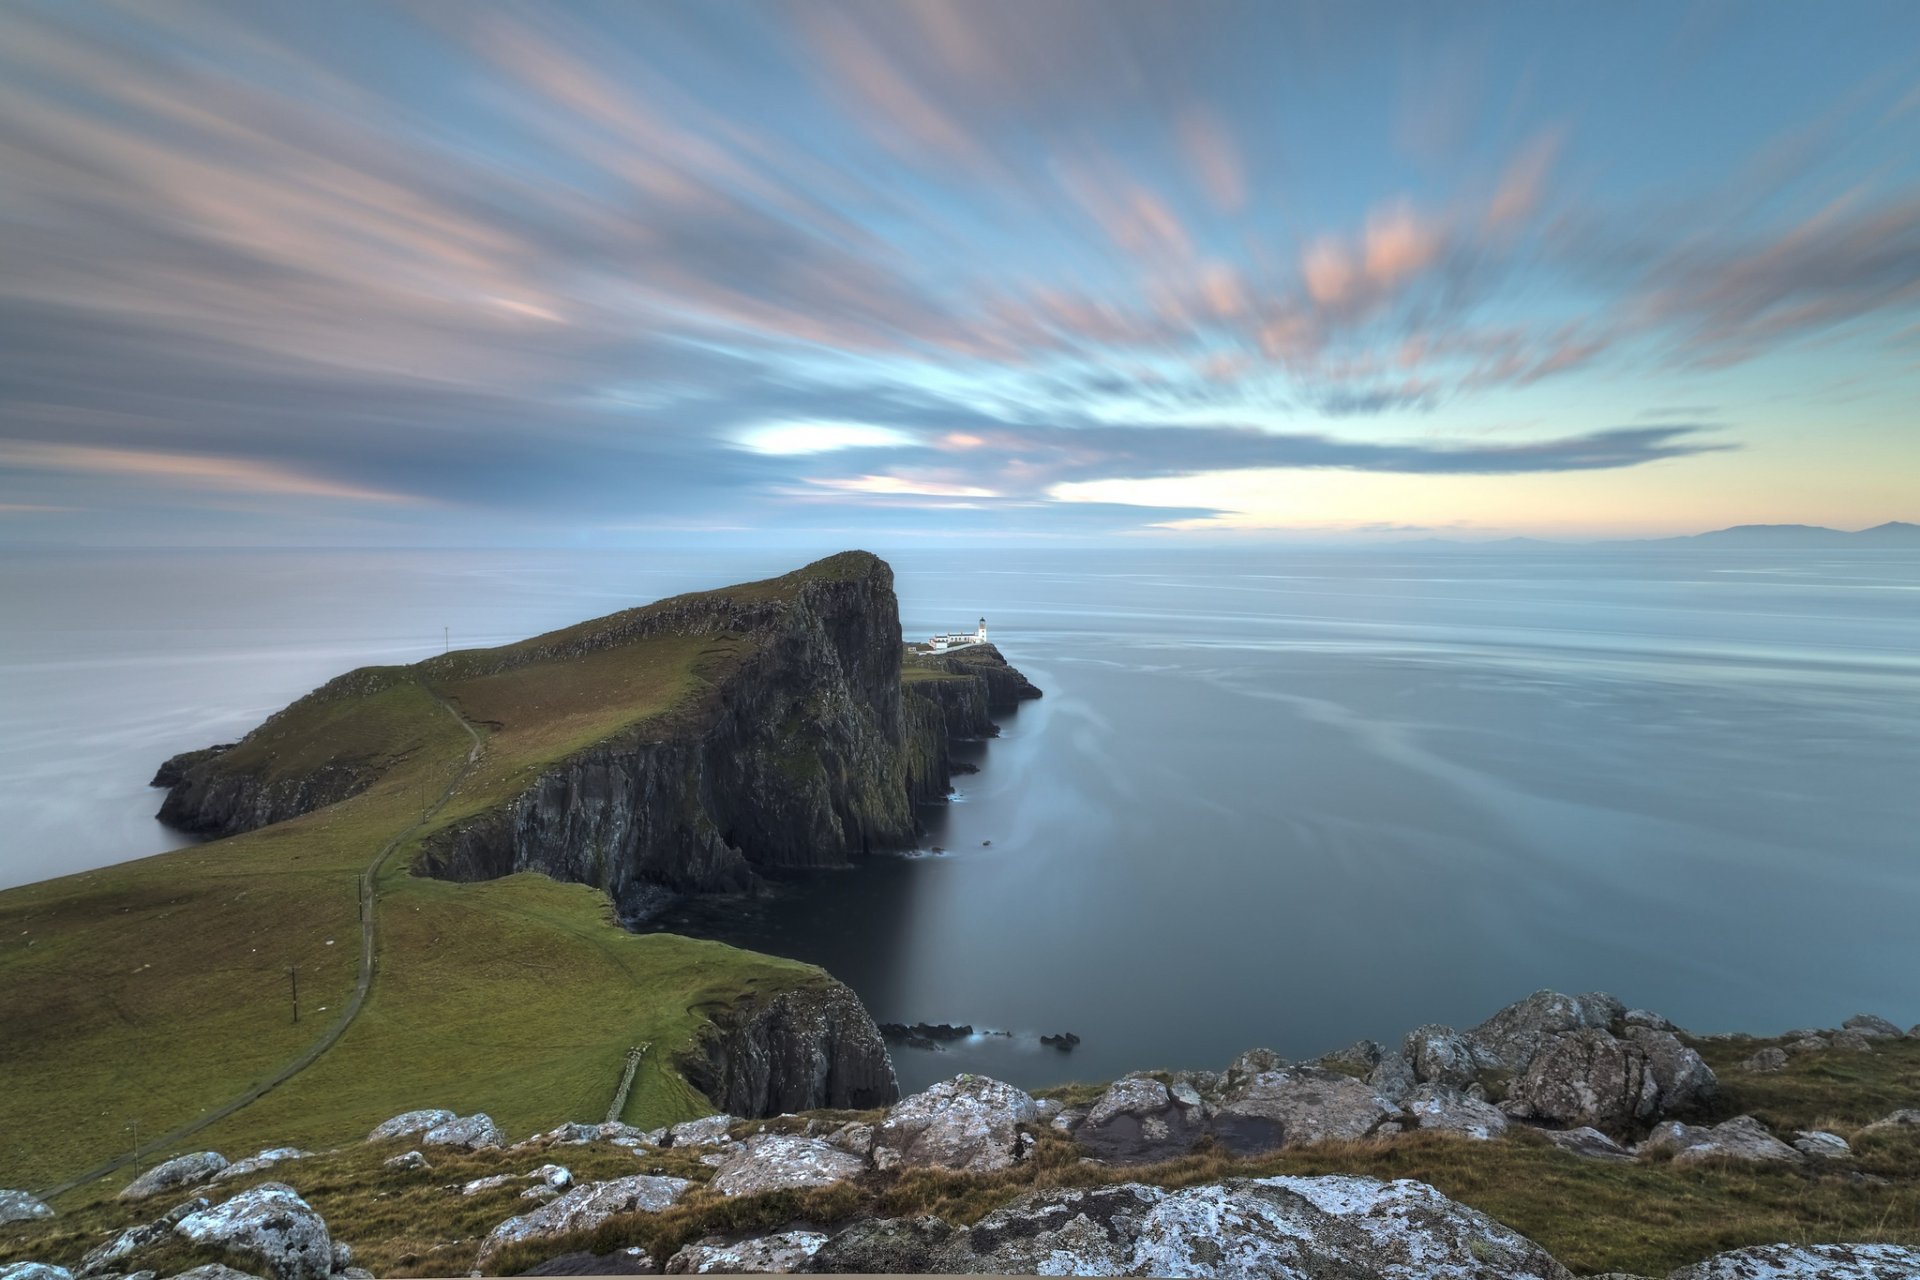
x: 980, y: 636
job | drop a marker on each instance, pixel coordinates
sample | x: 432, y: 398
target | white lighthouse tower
x: 980, y: 636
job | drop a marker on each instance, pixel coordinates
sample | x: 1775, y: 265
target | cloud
x: 194, y: 471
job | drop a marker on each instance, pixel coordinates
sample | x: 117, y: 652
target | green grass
x: 149, y: 993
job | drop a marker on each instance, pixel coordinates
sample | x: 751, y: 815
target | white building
x: 959, y: 639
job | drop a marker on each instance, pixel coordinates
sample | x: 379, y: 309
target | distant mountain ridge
x: 1894, y: 533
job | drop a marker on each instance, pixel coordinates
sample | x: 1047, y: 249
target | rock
x: 584, y: 1208
x: 1439, y: 1055
x: 1685, y: 1082
x: 1510, y: 1038
x: 1364, y: 1054
x: 1138, y: 1120
x: 213, y: 1271
x: 1065, y: 1042
x: 1895, y: 1122
x: 1767, y: 1061
x: 781, y: 1254
x: 557, y: 1176
x: 268, y: 1226
x: 1068, y: 1120
x: 1851, y: 1041
x: 471, y: 1133
x: 1821, y: 1145
x: 1436, y: 1107
x: 1586, y: 1078
x: 1741, y: 1138
x: 774, y: 1161
x: 181, y: 1171
x: 1330, y: 1227
x: 108, y: 1259
x: 33, y: 1271
x: 1077, y: 1231
x: 1251, y: 1063
x: 254, y: 1164
x: 406, y: 1160
x: 342, y: 1255
x: 1806, y: 1044
x: 1588, y: 1143
x: 1808, y: 1262
x: 707, y: 1131
x: 854, y: 1138
x: 1392, y: 1076
x: 479, y: 1185
x: 969, y: 1123
x: 408, y: 1123
x: 1299, y: 1105
x: 543, y: 1193
x: 1868, y: 1024
x: 1646, y: 1018
x: 802, y: 1049
x: 631, y: 1261
x: 22, y: 1206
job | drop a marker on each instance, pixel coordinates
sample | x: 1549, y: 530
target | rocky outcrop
x: 584, y: 1208
x: 1586, y: 1077
x: 1297, y: 1105
x: 268, y: 1230
x: 1330, y: 1228
x: 807, y: 1047
x: 1439, y: 1109
x: 1510, y: 1038
x: 1741, y: 1138
x: 1140, y: 1120
x: 779, y: 1161
x: 408, y: 1123
x: 780, y: 1254
x: 970, y: 1123
x: 176, y: 1174
x: 1808, y: 1262
x: 255, y: 1163
x: 470, y: 1133
x: 22, y: 1206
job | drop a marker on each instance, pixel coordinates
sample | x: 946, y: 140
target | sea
x: 1280, y: 797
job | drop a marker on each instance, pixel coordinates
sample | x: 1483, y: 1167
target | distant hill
x: 1894, y: 533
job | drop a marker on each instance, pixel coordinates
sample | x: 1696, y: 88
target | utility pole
x: 134, y: 1127
x: 293, y: 977
x: 446, y: 639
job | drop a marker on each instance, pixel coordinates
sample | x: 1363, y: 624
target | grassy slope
x: 1647, y: 1217
x: 152, y: 991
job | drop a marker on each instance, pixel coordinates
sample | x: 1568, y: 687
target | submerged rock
x: 174, y: 1174
x: 584, y: 1208
x: 1808, y: 1262
x: 969, y: 1123
x: 775, y: 1161
x: 781, y: 1254
x: 268, y: 1226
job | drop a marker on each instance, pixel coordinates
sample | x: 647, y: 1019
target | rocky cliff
x: 804, y: 1048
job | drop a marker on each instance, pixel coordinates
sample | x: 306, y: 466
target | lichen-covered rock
x: 854, y: 1138
x: 970, y: 1123
x: 1808, y: 1262
x: 1330, y: 1228
x: 1767, y: 1061
x: 810, y: 1046
x: 1741, y: 1138
x: 1586, y: 1078
x: 1299, y: 1105
x: 1077, y: 1231
x: 22, y: 1206
x: 1851, y: 1041
x: 584, y: 1208
x: 33, y: 1271
x: 488, y: 1183
x: 405, y: 1162
x: 470, y: 1133
x: 1587, y: 1143
x: 782, y: 1254
x: 1435, y: 1107
x: 254, y: 1164
x: 1869, y: 1024
x: 707, y: 1131
x: 1895, y: 1121
x: 217, y: 1271
x: 1646, y: 1018
x: 1685, y: 1082
x: 1138, y: 1120
x: 1821, y: 1145
x: 557, y: 1176
x: 268, y: 1227
x: 175, y: 1174
x: 1439, y: 1055
x: 1797, y: 1045
x: 775, y: 1161
x: 1510, y: 1038
x: 409, y: 1123
x: 1392, y: 1076
x: 1363, y: 1054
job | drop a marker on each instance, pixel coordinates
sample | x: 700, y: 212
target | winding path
x: 362, y: 987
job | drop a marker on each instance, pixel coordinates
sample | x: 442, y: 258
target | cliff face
x: 807, y: 1047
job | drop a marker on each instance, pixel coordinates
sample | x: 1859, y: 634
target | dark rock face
x: 808, y: 1047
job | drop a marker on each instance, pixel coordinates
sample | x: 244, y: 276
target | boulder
x: 707, y: 1131
x: 174, y: 1174
x: 269, y: 1228
x: 1068, y: 1120
x: 1362, y: 1054
x: 1868, y: 1024
x: 1251, y: 1063
x: 405, y: 1161
x: 1797, y: 1045
x: 557, y: 1176
x: 408, y: 1123
x: 1808, y: 1262
x: 781, y: 1254
x: 1903, y: 1120
x: 1586, y: 1078
x: 1685, y: 1082
x: 584, y: 1208
x: 470, y: 1133
x: 254, y: 1164
x: 489, y: 1183
x: 576, y: 1134
x: 1392, y: 1076
x: 1438, y: 1108
x: 33, y: 1271
x: 1741, y: 1138
x: 1510, y: 1038
x: 1821, y: 1145
x: 1076, y: 1231
x: 969, y: 1123
x: 1138, y: 1120
x: 630, y: 1261
x: 775, y: 1161
x: 1587, y: 1143
x: 1851, y: 1041
x: 1328, y: 1227
x: 1439, y: 1055
x: 1299, y: 1105
x: 213, y: 1271
x: 1767, y: 1061
x: 1646, y: 1018
x: 854, y: 1138
x: 22, y: 1206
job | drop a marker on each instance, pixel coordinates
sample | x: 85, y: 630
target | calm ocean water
x: 1280, y: 798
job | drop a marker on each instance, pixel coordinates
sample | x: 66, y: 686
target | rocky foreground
x: 1152, y: 1175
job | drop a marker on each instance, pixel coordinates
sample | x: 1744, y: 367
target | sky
x: 630, y: 274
